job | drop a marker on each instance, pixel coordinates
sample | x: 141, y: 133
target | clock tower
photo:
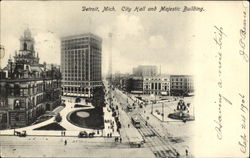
x: 27, y: 53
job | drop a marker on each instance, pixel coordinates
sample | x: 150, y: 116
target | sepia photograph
x: 124, y: 79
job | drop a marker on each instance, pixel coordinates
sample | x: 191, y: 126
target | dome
x: 27, y: 33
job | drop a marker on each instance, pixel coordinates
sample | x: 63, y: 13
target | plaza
x: 83, y: 147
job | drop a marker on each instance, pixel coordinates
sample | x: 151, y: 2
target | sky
x: 149, y: 38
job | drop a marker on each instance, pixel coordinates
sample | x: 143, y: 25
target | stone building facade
x: 27, y: 88
x: 159, y: 85
x: 181, y: 84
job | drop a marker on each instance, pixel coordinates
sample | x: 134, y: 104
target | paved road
x: 12, y: 146
x: 161, y: 147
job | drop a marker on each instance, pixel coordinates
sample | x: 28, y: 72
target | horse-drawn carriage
x: 20, y: 134
x: 84, y: 134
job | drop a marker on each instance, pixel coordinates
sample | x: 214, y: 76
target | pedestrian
x: 186, y: 152
x: 177, y: 155
x: 120, y: 139
x: 65, y: 142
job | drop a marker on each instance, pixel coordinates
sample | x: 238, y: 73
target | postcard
x: 124, y: 79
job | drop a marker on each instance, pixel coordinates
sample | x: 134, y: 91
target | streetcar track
x: 159, y: 146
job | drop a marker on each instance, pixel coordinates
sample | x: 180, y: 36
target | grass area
x: 94, y: 121
x: 51, y: 127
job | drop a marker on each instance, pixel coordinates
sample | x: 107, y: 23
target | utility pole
x: 152, y: 109
x: 162, y: 111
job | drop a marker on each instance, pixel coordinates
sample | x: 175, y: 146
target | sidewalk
x: 178, y: 133
x: 128, y: 132
x: 110, y: 122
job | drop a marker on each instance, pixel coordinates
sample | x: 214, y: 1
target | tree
x: 58, y: 118
x: 78, y: 100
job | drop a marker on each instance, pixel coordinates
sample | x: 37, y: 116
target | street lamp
x: 162, y: 111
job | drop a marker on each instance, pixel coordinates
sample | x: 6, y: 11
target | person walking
x: 120, y: 139
x: 65, y: 142
x: 186, y: 152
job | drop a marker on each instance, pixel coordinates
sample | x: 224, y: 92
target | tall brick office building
x: 81, y: 61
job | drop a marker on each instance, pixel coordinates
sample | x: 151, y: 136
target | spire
x: 27, y: 33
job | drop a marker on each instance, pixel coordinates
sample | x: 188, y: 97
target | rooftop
x: 81, y: 35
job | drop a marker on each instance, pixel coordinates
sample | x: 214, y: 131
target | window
x: 25, y: 46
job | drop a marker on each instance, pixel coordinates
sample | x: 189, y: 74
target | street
x: 161, y: 140
x: 12, y: 146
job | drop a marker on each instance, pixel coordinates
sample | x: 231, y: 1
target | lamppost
x: 162, y: 111
x: 152, y: 109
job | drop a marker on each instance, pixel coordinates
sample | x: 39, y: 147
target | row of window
x: 181, y: 79
x: 76, y: 83
x: 75, y: 89
x: 79, y: 40
x: 159, y: 88
x: 156, y: 79
x: 83, y: 78
x: 181, y: 87
x: 80, y: 46
x: 18, y: 91
x: 74, y: 53
x: 181, y: 83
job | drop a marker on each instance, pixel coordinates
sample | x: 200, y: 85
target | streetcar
x: 135, y: 122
